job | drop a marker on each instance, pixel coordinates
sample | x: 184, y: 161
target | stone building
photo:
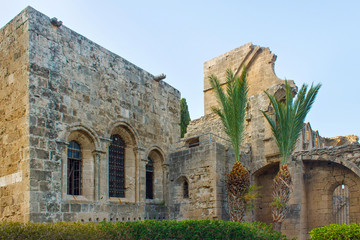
x: 82, y: 129
x: 89, y: 136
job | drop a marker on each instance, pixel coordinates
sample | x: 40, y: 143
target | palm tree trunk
x: 238, y: 183
x: 282, y: 187
x: 277, y: 226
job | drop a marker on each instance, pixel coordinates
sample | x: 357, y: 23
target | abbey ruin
x: 88, y: 136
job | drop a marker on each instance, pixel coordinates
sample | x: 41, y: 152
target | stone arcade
x: 89, y: 136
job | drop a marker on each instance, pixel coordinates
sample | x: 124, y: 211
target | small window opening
x: 193, y: 142
x: 186, y: 189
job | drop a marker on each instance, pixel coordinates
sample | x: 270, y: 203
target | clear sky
x: 315, y: 41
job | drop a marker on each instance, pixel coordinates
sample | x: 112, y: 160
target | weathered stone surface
x: 341, y: 140
x: 14, y: 114
x: 57, y: 86
x: 203, y: 167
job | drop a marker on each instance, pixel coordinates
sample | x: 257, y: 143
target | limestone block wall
x: 14, y: 124
x: 258, y: 61
x: 80, y: 91
x: 321, y: 179
x: 204, y: 168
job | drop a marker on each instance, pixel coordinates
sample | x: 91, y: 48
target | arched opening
x: 78, y: 165
x: 329, y: 186
x: 155, y: 176
x: 264, y: 179
x: 122, y: 165
x: 181, y: 189
x: 74, y: 168
x: 341, y: 204
x: 150, y: 179
x: 117, y: 167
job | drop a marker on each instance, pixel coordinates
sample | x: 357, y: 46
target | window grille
x: 117, y: 167
x: 74, y: 169
x: 186, y: 189
x: 341, y: 204
x: 150, y: 179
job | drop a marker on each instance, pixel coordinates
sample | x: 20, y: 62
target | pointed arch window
x: 150, y: 179
x: 117, y: 167
x: 341, y: 204
x: 74, y: 168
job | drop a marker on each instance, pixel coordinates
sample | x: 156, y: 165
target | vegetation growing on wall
x: 184, y: 117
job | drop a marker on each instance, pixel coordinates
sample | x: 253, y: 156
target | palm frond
x: 232, y: 106
x: 290, y: 117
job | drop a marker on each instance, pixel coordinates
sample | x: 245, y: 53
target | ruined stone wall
x: 258, y: 61
x: 81, y: 91
x: 340, y: 140
x: 14, y: 126
x: 204, y: 167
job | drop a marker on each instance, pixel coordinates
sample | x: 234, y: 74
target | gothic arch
x: 87, y: 131
x: 129, y: 174
x: 125, y: 130
x: 157, y: 149
x: 180, y: 184
x: 88, y: 142
x: 157, y: 157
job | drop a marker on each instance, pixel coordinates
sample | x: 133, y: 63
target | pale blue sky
x: 315, y: 41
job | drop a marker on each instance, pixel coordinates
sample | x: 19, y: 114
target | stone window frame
x: 179, y: 189
x: 131, y: 163
x: 158, y: 157
x: 88, y: 142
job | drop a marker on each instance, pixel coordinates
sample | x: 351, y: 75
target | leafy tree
x: 286, y: 128
x: 184, y: 116
x: 231, y: 110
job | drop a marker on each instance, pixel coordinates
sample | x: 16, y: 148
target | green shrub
x: 142, y: 230
x: 336, y: 231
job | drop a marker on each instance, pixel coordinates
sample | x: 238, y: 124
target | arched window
x: 117, y: 167
x: 341, y: 204
x: 150, y: 179
x: 74, y: 169
x: 185, y: 189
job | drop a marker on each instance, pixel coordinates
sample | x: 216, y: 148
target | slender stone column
x: 97, y: 172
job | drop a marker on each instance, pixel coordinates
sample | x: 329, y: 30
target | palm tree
x: 286, y: 128
x: 231, y: 110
